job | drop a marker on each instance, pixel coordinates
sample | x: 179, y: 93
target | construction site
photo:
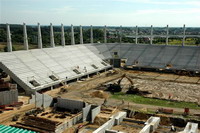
x: 99, y: 87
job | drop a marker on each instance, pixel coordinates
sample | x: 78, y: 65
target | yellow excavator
x: 116, y: 87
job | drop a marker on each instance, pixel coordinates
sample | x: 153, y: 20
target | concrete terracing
x: 157, y: 56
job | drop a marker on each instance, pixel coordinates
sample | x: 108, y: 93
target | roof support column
x: 151, y: 39
x: 25, y: 37
x: 120, y: 34
x: 183, y: 43
x: 52, y: 36
x: 136, y: 35
x: 167, y: 35
x: 9, y: 41
x: 62, y: 35
x: 105, y: 35
x: 81, y: 35
x: 91, y: 34
x: 39, y: 37
x: 72, y: 35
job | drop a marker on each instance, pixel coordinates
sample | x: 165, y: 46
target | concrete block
x: 8, y: 97
x: 47, y: 100
x: 190, y: 128
x: 119, y: 117
x: 154, y: 122
x: 108, y: 125
x: 70, y: 104
x: 95, y: 112
x: 146, y: 129
x: 113, y: 131
x: 86, y: 112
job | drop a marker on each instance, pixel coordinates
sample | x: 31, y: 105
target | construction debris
x: 100, y: 94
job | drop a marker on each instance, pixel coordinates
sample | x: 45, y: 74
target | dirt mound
x: 165, y: 121
x: 141, y: 116
x: 100, y: 94
x: 100, y: 120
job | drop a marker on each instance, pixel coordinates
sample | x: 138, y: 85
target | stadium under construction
x: 45, y: 75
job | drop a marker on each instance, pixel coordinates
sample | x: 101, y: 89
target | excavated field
x: 159, y: 85
x: 166, y: 86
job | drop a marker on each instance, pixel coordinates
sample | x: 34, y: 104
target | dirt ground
x: 181, y: 88
x: 159, y: 85
x: 168, y: 86
x: 128, y: 127
x: 6, y: 116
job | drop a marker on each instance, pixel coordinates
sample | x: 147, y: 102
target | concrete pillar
x: 151, y: 39
x: 9, y: 41
x: 62, y: 35
x: 25, y: 37
x: 81, y: 35
x: 91, y: 34
x: 120, y: 34
x: 105, y: 35
x: 136, y: 35
x: 183, y: 43
x: 52, y: 36
x: 72, y: 35
x: 167, y: 35
x: 39, y: 37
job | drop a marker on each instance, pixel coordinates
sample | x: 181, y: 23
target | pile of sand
x: 100, y: 94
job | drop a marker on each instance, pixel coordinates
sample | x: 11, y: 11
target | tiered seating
x: 40, y: 68
x: 159, y: 56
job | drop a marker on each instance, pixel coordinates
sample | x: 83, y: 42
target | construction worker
x: 173, y: 129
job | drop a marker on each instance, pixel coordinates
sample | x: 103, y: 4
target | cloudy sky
x: 102, y: 12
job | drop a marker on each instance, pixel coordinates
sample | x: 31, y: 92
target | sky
x: 158, y: 13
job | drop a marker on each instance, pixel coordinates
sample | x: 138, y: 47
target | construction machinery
x: 117, y: 87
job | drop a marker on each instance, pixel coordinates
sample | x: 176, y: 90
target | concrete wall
x: 119, y: 117
x: 190, y: 128
x: 146, y: 129
x: 47, y: 100
x: 116, y: 119
x: 8, y: 97
x: 69, y: 123
x: 113, y: 131
x: 70, y: 104
x: 86, y: 112
x: 153, y: 122
x: 95, y: 112
x: 108, y: 125
x: 41, y: 100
